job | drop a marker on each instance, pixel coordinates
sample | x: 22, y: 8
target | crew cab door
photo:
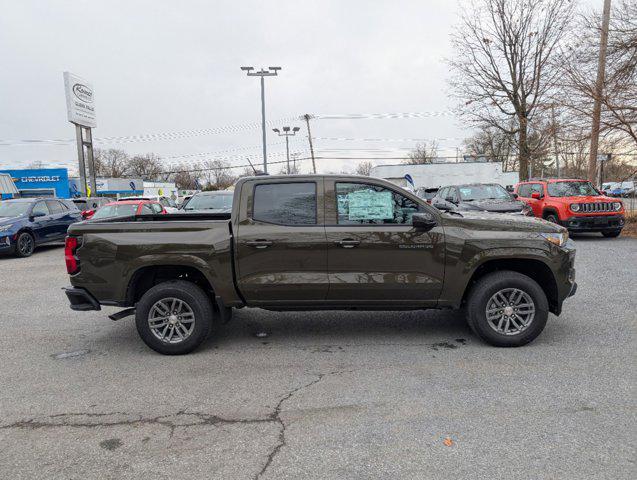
x: 375, y: 255
x: 281, y: 249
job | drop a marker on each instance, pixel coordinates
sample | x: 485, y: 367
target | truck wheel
x: 611, y: 233
x: 507, y: 309
x: 24, y: 245
x: 174, y: 317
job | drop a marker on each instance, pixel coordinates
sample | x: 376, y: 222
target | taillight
x: 72, y: 262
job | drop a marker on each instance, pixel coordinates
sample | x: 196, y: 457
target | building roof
x: 7, y: 186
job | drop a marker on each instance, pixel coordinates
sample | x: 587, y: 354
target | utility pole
x: 270, y: 72
x: 286, y: 133
x: 599, y: 88
x: 557, y: 158
x: 307, y: 117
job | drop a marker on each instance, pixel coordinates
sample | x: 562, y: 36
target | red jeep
x: 574, y: 204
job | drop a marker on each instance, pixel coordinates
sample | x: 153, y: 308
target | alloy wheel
x: 510, y: 311
x: 171, y: 320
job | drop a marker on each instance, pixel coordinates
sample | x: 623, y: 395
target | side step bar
x: 122, y: 314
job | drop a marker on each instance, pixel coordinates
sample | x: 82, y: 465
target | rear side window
x: 157, y: 208
x: 54, y: 206
x: 40, y: 207
x: 285, y: 203
x: 524, y: 190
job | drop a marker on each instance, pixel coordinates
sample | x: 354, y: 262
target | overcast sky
x: 161, y: 67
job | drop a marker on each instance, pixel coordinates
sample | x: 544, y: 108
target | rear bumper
x: 81, y: 300
x: 595, y: 223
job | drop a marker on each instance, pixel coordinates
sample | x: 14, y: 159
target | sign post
x: 601, y: 159
x: 80, y: 107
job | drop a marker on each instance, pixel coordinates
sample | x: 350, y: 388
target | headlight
x: 617, y: 206
x: 575, y: 207
x: 558, y: 239
x: 4, y: 228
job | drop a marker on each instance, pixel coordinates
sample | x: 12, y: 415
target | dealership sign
x: 80, y: 101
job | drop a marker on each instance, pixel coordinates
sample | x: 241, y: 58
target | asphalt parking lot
x: 331, y: 395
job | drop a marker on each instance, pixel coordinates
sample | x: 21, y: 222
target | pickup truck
x: 320, y: 242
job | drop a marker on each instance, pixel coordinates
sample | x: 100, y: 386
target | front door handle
x: 260, y: 243
x: 347, y: 243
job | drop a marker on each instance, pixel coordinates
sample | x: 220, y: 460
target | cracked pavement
x: 330, y: 395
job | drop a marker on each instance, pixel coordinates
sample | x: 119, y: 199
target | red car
x: 128, y: 208
x: 574, y: 204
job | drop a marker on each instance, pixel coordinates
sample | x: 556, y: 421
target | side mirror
x: 423, y: 221
x: 87, y: 213
x: 536, y: 195
x: 515, y: 196
x: 37, y: 214
x: 445, y: 207
x: 449, y: 199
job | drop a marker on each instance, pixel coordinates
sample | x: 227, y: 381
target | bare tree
x: 423, y: 153
x: 186, y: 175
x: 145, y: 166
x: 504, y: 64
x: 111, y: 163
x: 364, y: 168
x: 495, y: 145
x: 579, y: 64
x: 217, y: 175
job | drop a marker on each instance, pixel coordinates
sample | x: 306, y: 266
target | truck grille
x: 596, y: 207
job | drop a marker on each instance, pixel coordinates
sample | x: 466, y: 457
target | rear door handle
x: 347, y: 243
x: 260, y: 243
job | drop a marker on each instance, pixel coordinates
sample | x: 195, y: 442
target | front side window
x: 157, y: 208
x: 571, y: 189
x: 285, y: 203
x: 536, y: 188
x: 362, y: 203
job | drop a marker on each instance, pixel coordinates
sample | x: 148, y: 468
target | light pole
x: 286, y: 133
x: 270, y: 72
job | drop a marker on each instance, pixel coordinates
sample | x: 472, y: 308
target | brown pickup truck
x: 320, y: 242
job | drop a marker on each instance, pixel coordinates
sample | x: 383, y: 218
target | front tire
x: 174, y: 318
x: 507, y: 309
x: 551, y: 217
x: 24, y: 245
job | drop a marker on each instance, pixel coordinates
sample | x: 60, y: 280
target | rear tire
x: 181, y: 315
x: 492, y: 309
x: 611, y: 233
x: 24, y: 245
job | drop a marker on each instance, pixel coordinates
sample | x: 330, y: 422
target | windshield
x: 571, y: 189
x: 222, y: 201
x: 13, y: 209
x: 121, y: 210
x: 469, y: 193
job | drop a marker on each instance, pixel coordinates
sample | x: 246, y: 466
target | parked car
x: 574, y: 204
x: 26, y: 223
x: 427, y: 194
x: 321, y: 242
x: 88, y: 205
x: 485, y: 197
x: 217, y: 201
x: 128, y: 208
x: 168, y: 203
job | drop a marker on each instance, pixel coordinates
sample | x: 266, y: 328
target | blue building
x: 41, y: 182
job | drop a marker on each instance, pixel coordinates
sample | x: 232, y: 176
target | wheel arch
x: 550, y: 210
x: 146, y: 277
x: 533, y: 268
